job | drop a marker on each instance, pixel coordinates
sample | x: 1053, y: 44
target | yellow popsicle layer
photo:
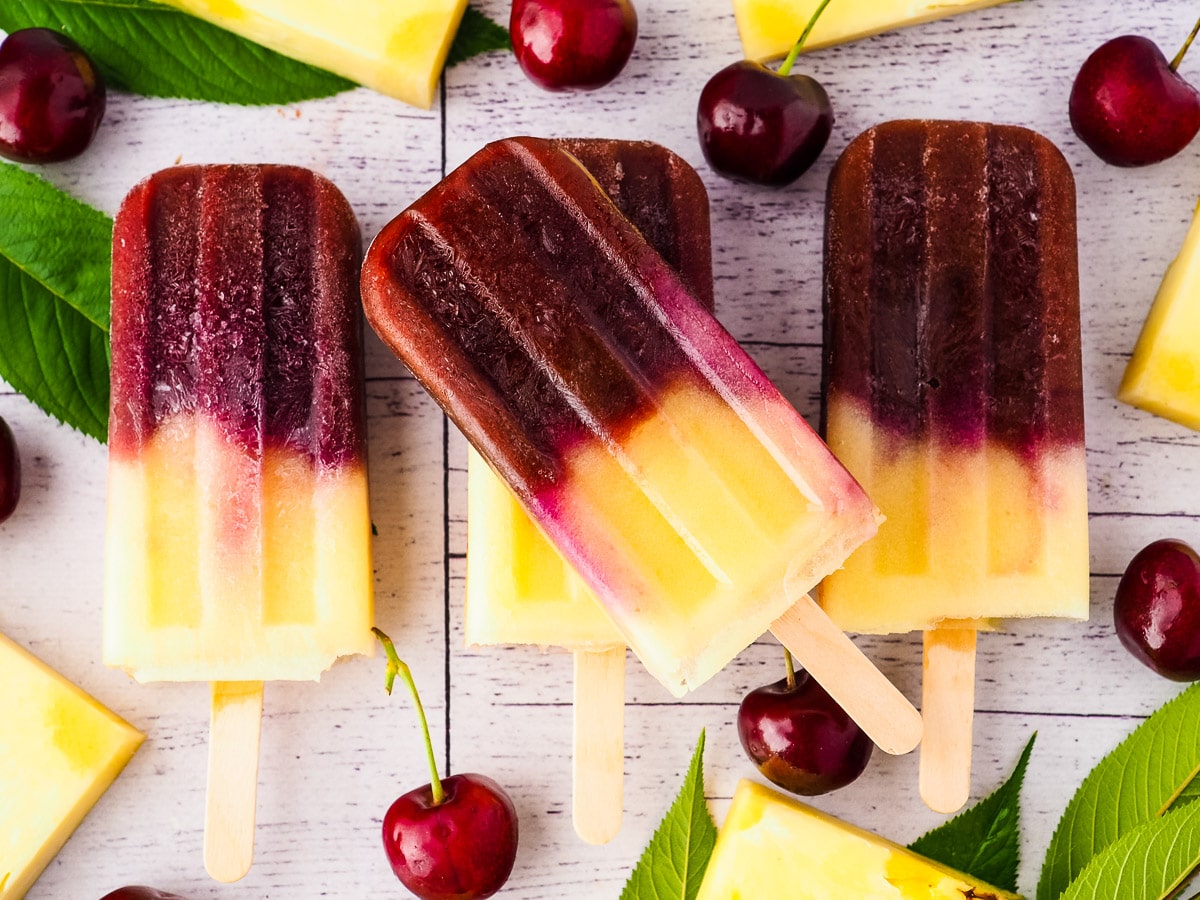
x: 59, y: 751
x: 968, y: 534
x: 769, y: 28
x: 723, y: 527
x: 222, y: 567
x: 1163, y: 376
x: 773, y: 846
x: 397, y: 48
x: 519, y: 588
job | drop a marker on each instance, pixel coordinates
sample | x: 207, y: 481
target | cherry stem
x: 791, y: 669
x: 397, y: 666
x: 1186, y: 46
x: 791, y: 57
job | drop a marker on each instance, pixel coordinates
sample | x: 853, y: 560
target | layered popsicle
x: 238, y: 540
x: 953, y: 378
x: 769, y: 28
x: 771, y: 845
x: 519, y: 588
x: 398, y: 49
x: 645, y: 443
x: 1163, y: 375
x: 60, y: 749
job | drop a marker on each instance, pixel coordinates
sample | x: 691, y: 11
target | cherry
x: 51, y: 97
x: 1157, y: 609
x: 572, y: 45
x: 10, y: 472
x: 452, y: 839
x: 799, y: 737
x: 1130, y: 106
x: 137, y: 892
x: 761, y: 126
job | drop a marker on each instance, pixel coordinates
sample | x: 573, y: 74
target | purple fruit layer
x: 532, y: 309
x: 234, y: 298
x: 951, y: 285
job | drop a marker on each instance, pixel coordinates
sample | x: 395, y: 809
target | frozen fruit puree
x: 644, y: 441
x: 953, y: 377
x: 519, y: 588
x: 59, y: 752
x: 397, y: 48
x: 769, y: 27
x: 238, y: 543
x: 1163, y: 375
x: 774, y: 846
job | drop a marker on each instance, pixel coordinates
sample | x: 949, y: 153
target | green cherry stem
x: 397, y: 666
x: 1186, y: 46
x: 796, y: 47
x: 791, y: 669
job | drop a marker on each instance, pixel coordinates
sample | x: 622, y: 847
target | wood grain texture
x: 335, y: 754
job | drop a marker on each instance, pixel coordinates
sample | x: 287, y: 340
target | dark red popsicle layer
x: 514, y: 312
x: 951, y: 284
x: 235, y: 297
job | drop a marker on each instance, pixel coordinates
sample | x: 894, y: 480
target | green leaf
x: 1152, y: 770
x: 1152, y: 861
x: 55, y: 265
x: 985, y: 840
x: 477, y: 34
x: 159, y: 51
x: 672, y: 866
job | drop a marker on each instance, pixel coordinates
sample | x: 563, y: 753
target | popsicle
x: 1163, y: 375
x: 519, y: 589
x: 953, y: 392
x: 60, y: 749
x: 398, y: 49
x: 645, y: 443
x: 769, y: 28
x: 238, y: 539
x: 771, y: 845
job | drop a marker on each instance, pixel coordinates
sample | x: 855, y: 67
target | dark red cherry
x: 138, y: 892
x: 572, y: 45
x: 10, y: 472
x: 51, y: 97
x: 1131, y: 106
x: 759, y: 126
x: 458, y: 849
x: 1157, y: 609
x: 800, y: 738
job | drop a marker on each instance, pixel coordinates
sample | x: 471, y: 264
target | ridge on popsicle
x: 647, y: 445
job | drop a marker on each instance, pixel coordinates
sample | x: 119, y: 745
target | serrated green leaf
x: 1152, y: 861
x: 159, y: 51
x: 477, y: 34
x: 55, y: 269
x: 672, y: 865
x: 1151, y: 771
x: 985, y: 840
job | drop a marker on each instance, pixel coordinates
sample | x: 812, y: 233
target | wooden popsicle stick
x: 828, y: 654
x: 948, y: 708
x: 229, y: 812
x: 599, y: 735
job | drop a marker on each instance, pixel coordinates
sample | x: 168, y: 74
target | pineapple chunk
x: 398, y: 47
x: 770, y: 27
x: 774, y: 846
x: 1163, y: 376
x: 59, y: 751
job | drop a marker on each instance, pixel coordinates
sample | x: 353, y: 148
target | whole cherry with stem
x: 1132, y: 107
x: 799, y: 737
x: 454, y: 838
x: 761, y: 126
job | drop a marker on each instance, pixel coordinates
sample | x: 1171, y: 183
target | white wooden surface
x: 335, y: 754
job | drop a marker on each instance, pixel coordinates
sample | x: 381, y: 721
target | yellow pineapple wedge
x: 1163, y: 376
x: 770, y: 27
x: 774, y: 846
